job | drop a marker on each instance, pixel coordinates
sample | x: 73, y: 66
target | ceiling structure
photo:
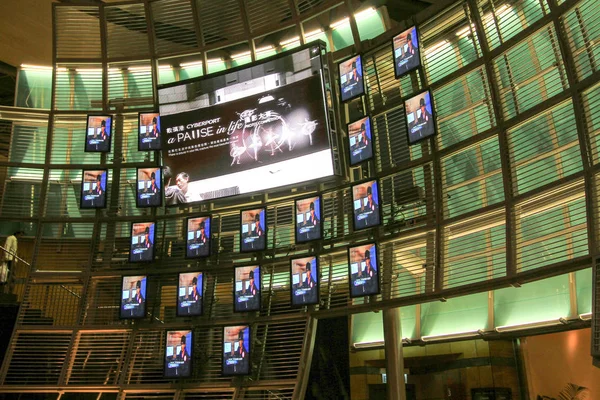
x: 26, y: 28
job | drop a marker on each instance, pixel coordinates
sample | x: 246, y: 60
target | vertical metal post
x: 394, y: 357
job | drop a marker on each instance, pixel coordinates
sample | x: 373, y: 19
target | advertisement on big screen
x: 275, y: 138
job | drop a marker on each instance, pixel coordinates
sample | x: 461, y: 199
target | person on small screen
x: 312, y: 222
x: 193, y: 300
x: 242, y: 355
x: 370, y: 273
x: 183, y: 355
x: 147, y: 140
x: 99, y: 191
x: 258, y: 235
x: 138, y: 300
x: 423, y: 124
x: 103, y: 134
x: 155, y: 132
x: 309, y: 283
x: 153, y: 190
x: 371, y: 211
x: 258, y: 230
x: 353, y: 85
x: 201, y: 238
x: 364, y: 140
x: 410, y: 58
x: 146, y: 244
x: 252, y: 290
x: 180, y: 361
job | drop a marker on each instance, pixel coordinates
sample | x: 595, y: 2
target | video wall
x: 269, y: 129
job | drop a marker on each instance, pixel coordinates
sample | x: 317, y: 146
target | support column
x: 394, y: 357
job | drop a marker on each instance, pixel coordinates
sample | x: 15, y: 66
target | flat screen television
x: 360, y: 140
x: 189, y: 294
x: 247, y: 130
x: 148, y: 187
x: 93, y: 189
x: 198, y: 237
x: 133, y: 297
x: 247, y: 288
x: 363, y: 270
x: 366, y: 204
x: 420, y: 117
x: 236, y: 350
x: 142, y: 242
x: 98, y: 133
x: 406, y: 51
x: 253, y: 230
x: 351, y: 78
x: 304, y: 278
x: 178, y: 354
x: 149, y: 132
x: 308, y: 219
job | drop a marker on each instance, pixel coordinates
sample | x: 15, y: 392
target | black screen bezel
x: 87, y: 125
x: 318, y: 279
x: 396, y: 75
x: 362, y: 93
x: 191, y: 355
x: 140, y: 133
x: 153, y: 243
x: 235, y: 310
x: 350, y: 271
x: 83, y: 171
x: 266, y: 229
x: 249, y: 352
x: 372, y: 142
x: 379, y: 205
x: 121, y: 317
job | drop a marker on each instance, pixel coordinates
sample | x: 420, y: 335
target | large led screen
x: 148, y: 187
x: 305, y: 281
x: 198, y: 237
x: 189, y: 294
x: 178, y: 354
x: 246, y: 294
x: 93, y: 189
x: 420, y: 122
x: 236, y: 350
x: 98, y: 133
x: 133, y: 297
x: 253, y: 230
x: 142, y: 242
x: 351, y: 78
x: 308, y: 219
x: 406, y: 51
x: 366, y: 205
x: 360, y: 140
x: 149, y: 132
x: 266, y: 130
x: 363, y: 270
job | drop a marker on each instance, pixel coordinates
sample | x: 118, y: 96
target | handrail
x: 15, y: 256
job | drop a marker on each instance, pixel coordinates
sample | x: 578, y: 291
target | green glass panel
x: 370, y: 26
x: 368, y: 327
x: 35, y: 89
x: 190, y: 72
x: 342, y: 37
x: 584, y: 287
x: 241, y: 61
x: 459, y: 314
x: 216, y: 66
x: 536, y: 174
x: 265, y: 54
x: 536, y: 301
x: 166, y: 75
